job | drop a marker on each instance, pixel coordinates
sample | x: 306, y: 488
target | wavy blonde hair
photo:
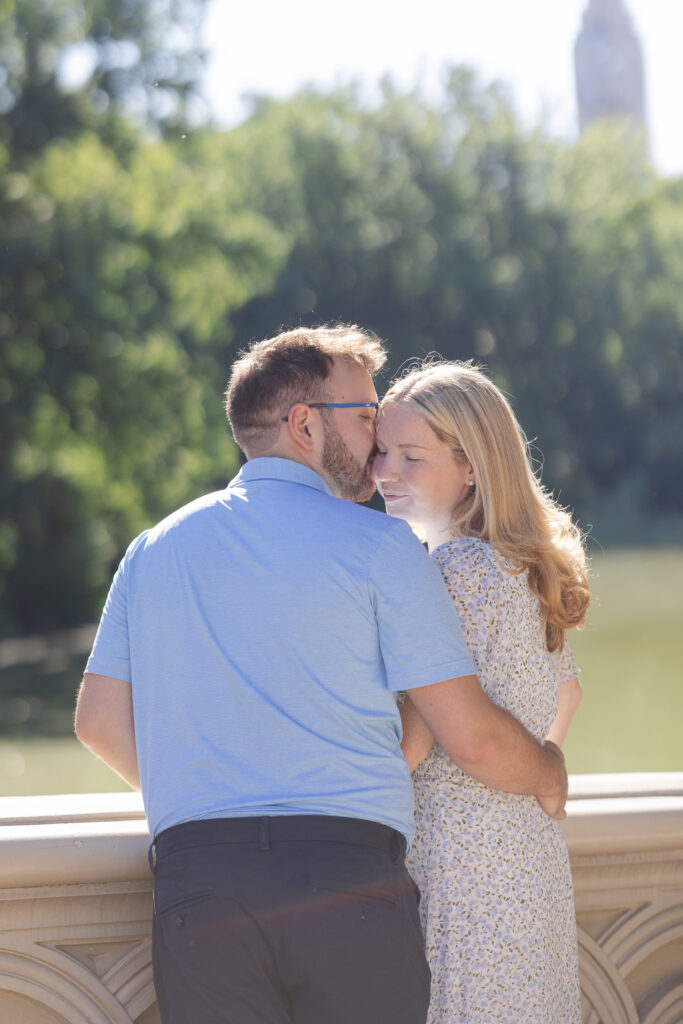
x: 508, y: 507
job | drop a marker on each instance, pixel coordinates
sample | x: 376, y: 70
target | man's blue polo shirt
x: 264, y: 629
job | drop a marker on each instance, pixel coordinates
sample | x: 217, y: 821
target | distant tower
x: 608, y: 61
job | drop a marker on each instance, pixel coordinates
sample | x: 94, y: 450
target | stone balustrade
x: 75, y: 904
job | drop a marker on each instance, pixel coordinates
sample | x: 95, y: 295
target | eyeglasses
x: 342, y: 405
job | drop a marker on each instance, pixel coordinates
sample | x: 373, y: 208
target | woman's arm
x: 417, y: 739
x: 570, y: 694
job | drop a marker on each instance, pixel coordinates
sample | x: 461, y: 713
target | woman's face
x: 416, y: 473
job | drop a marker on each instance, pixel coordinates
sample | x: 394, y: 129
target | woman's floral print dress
x: 497, y: 902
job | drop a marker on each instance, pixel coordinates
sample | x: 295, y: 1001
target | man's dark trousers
x: 302, y: 919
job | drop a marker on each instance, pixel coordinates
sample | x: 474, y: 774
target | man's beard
x: 351, y: 480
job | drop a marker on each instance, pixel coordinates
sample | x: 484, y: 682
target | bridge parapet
x: 76, y: 903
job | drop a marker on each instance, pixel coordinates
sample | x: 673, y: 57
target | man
x: 246, y: 664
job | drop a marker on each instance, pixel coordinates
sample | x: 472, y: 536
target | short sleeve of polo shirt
x: 420, y: 635
x: 110, y: 655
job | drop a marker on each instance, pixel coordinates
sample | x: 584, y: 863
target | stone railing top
x: 70, y: 807
x: 85, y: 807
x: 625, y: 784
x: 90, y: 838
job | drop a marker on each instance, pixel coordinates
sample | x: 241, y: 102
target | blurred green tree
x: 120, y: 257
x: 72, y: 65
x: 130, y: 265
x: 116, y: 285
x: 448, y: 228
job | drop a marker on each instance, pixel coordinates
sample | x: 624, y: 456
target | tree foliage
x: 449, y: 229
x: 132, y: 265
x: 118, y: 266
x: 136, y: 57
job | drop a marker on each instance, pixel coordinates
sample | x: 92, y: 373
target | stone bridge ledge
x: 75, y: 904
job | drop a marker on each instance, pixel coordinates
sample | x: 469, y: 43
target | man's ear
x: 303, y: 426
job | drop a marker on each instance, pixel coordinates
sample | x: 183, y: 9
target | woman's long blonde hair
x: 508, y: 507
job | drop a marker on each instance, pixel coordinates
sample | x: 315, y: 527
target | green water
x: 631, y: 657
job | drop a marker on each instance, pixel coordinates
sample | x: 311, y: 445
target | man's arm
x: 104, y: 724
x: 490, y: 745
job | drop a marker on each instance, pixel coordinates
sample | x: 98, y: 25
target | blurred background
x: 178, y: 177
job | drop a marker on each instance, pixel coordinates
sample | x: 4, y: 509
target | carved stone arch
x: 628, y: 943
x: 60, y: 994
x: 669, y: 1009
x: 602, y: 986
x: 588, y: 1012
x: 131, y: 981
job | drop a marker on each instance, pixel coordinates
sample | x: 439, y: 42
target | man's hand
x: 554, y: 800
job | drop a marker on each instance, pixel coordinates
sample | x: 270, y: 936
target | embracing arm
x: 104, y: 724
x: 568, y: 690
x: 490, y: 745
x: 569, y: 695
x: 417, y: 739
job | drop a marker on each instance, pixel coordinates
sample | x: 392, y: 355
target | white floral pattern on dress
x: 497, y: 902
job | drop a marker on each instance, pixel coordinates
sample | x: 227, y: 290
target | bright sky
x: 272, y: 47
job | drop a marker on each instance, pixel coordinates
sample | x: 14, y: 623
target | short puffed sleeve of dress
x: 472, y: 576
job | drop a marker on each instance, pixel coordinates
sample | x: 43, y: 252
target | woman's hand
x: 417, y: 739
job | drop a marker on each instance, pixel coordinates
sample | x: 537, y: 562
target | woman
x: 497, y: 900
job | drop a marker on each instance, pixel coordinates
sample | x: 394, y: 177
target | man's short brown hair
x: 272, y: 375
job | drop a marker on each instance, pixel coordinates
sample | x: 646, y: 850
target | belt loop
x: 264, y: 834
x: 152, y: 857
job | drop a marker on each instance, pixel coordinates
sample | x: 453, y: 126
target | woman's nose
x: 382, y: 468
